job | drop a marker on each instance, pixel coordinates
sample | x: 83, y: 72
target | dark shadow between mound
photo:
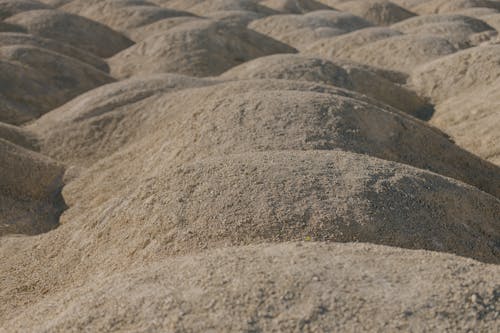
x: 425, y: 113
x: 31, y: 217
x: 59, y: 206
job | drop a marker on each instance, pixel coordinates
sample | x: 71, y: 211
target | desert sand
x: 249, y: 166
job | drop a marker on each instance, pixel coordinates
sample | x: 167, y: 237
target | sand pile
x: 11, y: 39
x: 279, y: 196
x: 300, y: 30
x: 280, y: 114
x: 30, y: 185
x: 445, y: 6
x: 351, y: 76
x: 19, y: 136
x: 202, y: 7
x: 7, y: 27
x: 12, y: 7
x: 35, y: 80
x: 250, y: 165
x: 97, y: 123
x: 461, y: 31
x: 379, y: 12
x: 295, y: 6
x: 471, y: 118
x: 197, y: 48
x: 457, y: 73
x: 74, y: 30
x: 288, y: 287
x: 400, y: 53
x: 335, y: 48
x: 493, y: 20
x: 122, y: 15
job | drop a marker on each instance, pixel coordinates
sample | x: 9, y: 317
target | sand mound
x: 11, y: 39
x: 90, y: 126
x: 260, y: 192
x: 34, y: 81
x: 275, y: 120
x: 30, y: 184
x: 301, y: 189
x: 446, y: 6
x: 291, y: 67
x: 202, y: 7
x: 288, y: 287
x: 333, y: 48
x: 458, y: 29
x: 349, y: 76
x: 123, y: 15
x: 401, y: 53
x: 18, y: 136
x: 379, y: 12
x: 141, y: 33
x: 385, y: 87
x: 477, y: 12
x: 472, y: 118
x: 12, y: 7
x: 69, y: 132
x: 6, y: 27
x: 299, y: 30
x: 493, y: 20
x: 55, y: 3
x: 295, y: 6
x: 235, y: 17
x: 78, y: 31
x: 415, y: 23
x: 458, y: 72
x: 279, y: 196
x: 199, y: 48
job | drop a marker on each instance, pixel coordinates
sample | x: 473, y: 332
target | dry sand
x: 249, y: 166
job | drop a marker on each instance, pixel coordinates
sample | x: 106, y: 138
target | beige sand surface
x: 249, y: 166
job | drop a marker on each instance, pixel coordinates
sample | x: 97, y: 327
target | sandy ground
x: 249, y: 166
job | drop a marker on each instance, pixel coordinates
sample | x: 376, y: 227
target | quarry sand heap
x: 249, y: 166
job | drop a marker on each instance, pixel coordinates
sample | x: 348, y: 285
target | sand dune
x: 249, y: 165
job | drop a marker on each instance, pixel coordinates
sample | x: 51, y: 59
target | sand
x: 249, y: 166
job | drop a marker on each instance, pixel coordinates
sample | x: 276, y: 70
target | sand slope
x: 199, y: 48
x: 72, y: 29
x: 35, y: 80
x: 362, y: 79
x: 30, y: 185
x: 289, y: 287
